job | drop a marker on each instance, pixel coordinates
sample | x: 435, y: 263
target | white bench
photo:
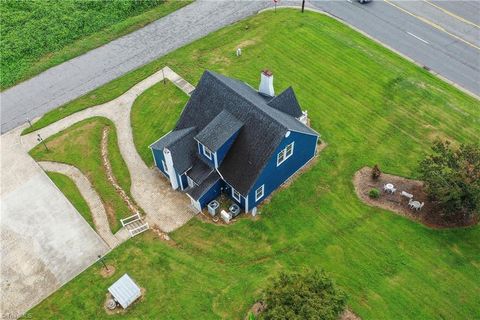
x: 407, y: 195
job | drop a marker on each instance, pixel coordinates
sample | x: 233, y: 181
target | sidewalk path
x: 164, y: 207
x: 94, y: 202
x: 80, y: 75
x: 45, y: 241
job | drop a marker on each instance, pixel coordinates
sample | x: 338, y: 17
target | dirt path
x: 93, y: 200
x: 164, y: 207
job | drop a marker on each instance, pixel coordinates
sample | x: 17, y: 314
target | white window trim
x: 191, y: 183
x: 233, y: 194
x: 164, y: 167
x: 262, y: 189
x: 206, y: 152
x: 282, y: 156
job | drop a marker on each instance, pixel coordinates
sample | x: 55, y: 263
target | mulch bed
x: 429, y: 215
x: 107, y: 273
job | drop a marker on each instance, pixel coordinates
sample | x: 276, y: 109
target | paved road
x: 444, y: 36
x: 436, y: 43
x: 80, y: 75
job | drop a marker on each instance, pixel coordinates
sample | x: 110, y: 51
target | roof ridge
x: 246, y: 98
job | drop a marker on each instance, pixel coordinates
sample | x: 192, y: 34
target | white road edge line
x: 418, y: 37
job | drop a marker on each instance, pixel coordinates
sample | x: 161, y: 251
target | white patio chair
x: 410, y: 203
x: 421, y: 206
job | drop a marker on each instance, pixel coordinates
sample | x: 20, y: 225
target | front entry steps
x: 134, y: 224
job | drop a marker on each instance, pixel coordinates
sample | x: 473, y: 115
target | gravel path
x: 93, y: 200
x: 163, y: 206
x: 76, y: 77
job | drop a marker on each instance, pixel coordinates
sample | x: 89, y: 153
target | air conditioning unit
x: 234, y: 210
x: 226, y: 216
x: 212, y: 207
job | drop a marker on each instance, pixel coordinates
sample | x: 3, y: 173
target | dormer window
x: 285, y: 154
x: 207, y: 152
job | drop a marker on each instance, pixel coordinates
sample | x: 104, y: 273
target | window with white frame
x: 207, y: 152
x: 285, y: 153
x: 164, y: 167
x: 259, y: 192
x: 236, y: 195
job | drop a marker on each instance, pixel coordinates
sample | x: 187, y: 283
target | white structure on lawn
x: 125, y: 291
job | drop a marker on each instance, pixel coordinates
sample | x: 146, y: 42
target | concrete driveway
x: 45, y: 242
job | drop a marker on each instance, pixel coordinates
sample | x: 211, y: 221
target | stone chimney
x: 266, y: 83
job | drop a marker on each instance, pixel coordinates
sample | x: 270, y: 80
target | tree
x: 376, y: 173
x: 452, y: 178
x: 303, y: 296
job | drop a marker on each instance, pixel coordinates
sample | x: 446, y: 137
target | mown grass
x: 80, y: 146
x: 37, y: 35
x: 70, y: 190
x: 154, y: 114
x: 371, y: 106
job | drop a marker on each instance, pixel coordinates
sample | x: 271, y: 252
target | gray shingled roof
x: 169, y: 138
x: 263, y: 126
x: 199, y: 172
x: 198, y: 191
x: 219, y: 130
x: 287, y: 103
x: 182, y: 146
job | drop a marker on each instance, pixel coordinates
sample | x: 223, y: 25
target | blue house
x: 234, y: 139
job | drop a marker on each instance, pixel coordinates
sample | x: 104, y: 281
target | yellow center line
x: 436, y: 26
x: 452, y: 14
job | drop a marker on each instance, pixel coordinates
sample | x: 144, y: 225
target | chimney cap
x: 267, y: 72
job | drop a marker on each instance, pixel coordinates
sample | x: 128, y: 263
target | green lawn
x: 79, y: 145
x: 70, y: 190
x: 154, y: 113
x: 37, y: 35
x: 371, y: 106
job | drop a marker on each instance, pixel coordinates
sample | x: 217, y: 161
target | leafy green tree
x: 452, y: 178
x: 303, y: 296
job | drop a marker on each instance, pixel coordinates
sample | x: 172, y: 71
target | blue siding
x: 228, y: 192
x: 211, y: 163
x: 158, y: 156
x: 211, y: 194
x: 184, y: 181
x: 223, y: 150
x: 272, y: 176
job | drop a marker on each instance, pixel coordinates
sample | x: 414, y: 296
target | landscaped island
x: 371, y: 106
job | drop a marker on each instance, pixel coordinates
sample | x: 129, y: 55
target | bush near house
x: 40, y: 34
x: 452, y: 178
x: 302, y: 296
